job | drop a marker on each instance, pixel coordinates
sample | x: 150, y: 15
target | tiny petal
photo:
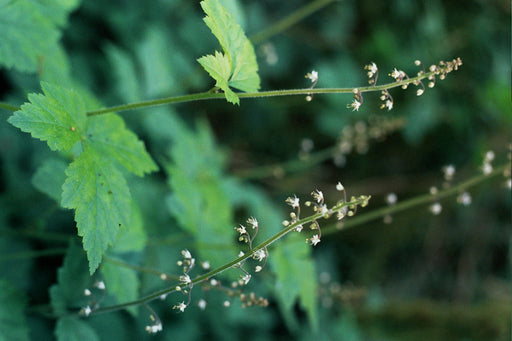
x: 315, y: 240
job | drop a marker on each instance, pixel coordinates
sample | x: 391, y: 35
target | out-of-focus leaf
x: 49, y: 178
x: 13, y: 324
x: 73, y: 329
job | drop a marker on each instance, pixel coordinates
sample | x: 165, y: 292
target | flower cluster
x: 185, y: 282
x: 358, y: 100
x: 313, y: 76
x: 373, y: 73
x: 358, y: 136
x: 94, y: 302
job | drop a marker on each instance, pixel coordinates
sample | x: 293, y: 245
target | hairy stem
x: 415, y: 201
x: 231, y: 264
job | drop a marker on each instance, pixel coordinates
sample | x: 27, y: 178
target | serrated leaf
x: 57, y: 117
x: 49, y: 178
x: 121, y: 282
x: 219, y: 68
x: 110, y: 139
x: 99, y: 194
x: 13, y: 324
x: 133, y: 238
x: 26, y: 35
x: 238, y: 50
x: 73, y: 329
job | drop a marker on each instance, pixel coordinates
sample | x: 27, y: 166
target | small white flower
x: 323, y: 209
x: 186, y: 254
x: 355, y: 105
x: 436, y: 208
x: 163, y: 297
x: 241, y: 229
x: 253, y: 222
x: 258, y: 268
x: 318, y: 196
x: 487, y: 168
x: 87, y: 292
x: 259, y: 255
x: 86, y: 311
x: 489, y: 156
x: 214, y: 282
x: 205, y: 265
x: 315, y: 240
x: 398, y: 75
x: 227, y: 303
x: 180, y: 306
x: 154, y: 328
x: 339, y: 187
x: 246, y: 278
x: 299, y: 228
x: 313, y: 76
x: 201, y: 304
x: 100, y: 285
x: 448, y: 171
x: 420, y: 92
x: 241, y: 253
x: 185, y: 279
x: 391, y: 199
x: 293, y: 202
x: 389, y: 104
x: 464, y: 199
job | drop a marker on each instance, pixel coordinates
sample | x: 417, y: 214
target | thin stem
x: 137, y: 268
x: 229, y: 265
x: 415, y: 201
x: 272, y: 93
x: 289, y: 20
x: 8, y: 107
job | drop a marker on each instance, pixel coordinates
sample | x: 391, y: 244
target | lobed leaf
x: 57, y: 117
x: 238, y: 58
x: 100, y: 196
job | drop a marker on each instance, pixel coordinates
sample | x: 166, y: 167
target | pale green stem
x: 413, y: 202
x: 273, y: 93
x: 229, y: 265
x: 8, y: 107
x: 289, y: 20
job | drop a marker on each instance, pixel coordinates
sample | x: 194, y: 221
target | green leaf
x: 295, y: 270
x: 122, y: 282
x: 13, y: 325
x: 49, y: 178
x: 109, y: 137
x: 26, y: 35
x: 99, y: 194
x: 133, y: 238
x: 239, y: 57
x: 57, y: 117
x: 219, y: 68
x: 199, y: 202
x: 72, y: 279
x: 73, y: 329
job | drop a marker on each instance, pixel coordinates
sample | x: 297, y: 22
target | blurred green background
x: 420, y: 277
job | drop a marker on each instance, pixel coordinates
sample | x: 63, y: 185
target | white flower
x: 259, y: 255
x: 154, y: 328
x: 313, y: 76
x: 391, y: 198
x: 299, y: 228
x: 420, y: 92
x: 315, y: 240
x: 180, y: 306
x: 227, y: 303
x: 487, y: 168
x: 293, y: 202
x: 86, y: 311
x: 100, y: 285
x: 398, y: 75
x: 186, y: 254
x: 323, y: 209
x: 246, y: 278
x: 436, y: 208
x: 241, y: 229
x: 241, y: 253
x: 201, y: 304
x: 205, y: 265
x: 489, y: 156
x: 185, y: 279
x: 449, y: 171
x: 339, y: 187
x: 318, y: 196
x: 87, y: 292
x: 464, y: 199
x: 214, y: 282
x: 258, y: 268
x: 389, y: 104
x: 252, y: 221
x: 355, y: 105
x: 372, y: 69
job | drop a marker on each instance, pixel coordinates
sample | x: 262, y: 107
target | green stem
x: 272, y: 93
x: 231, y: 264
x: 413, y: 202
x: 289, y: 21
x: 8, y: 107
